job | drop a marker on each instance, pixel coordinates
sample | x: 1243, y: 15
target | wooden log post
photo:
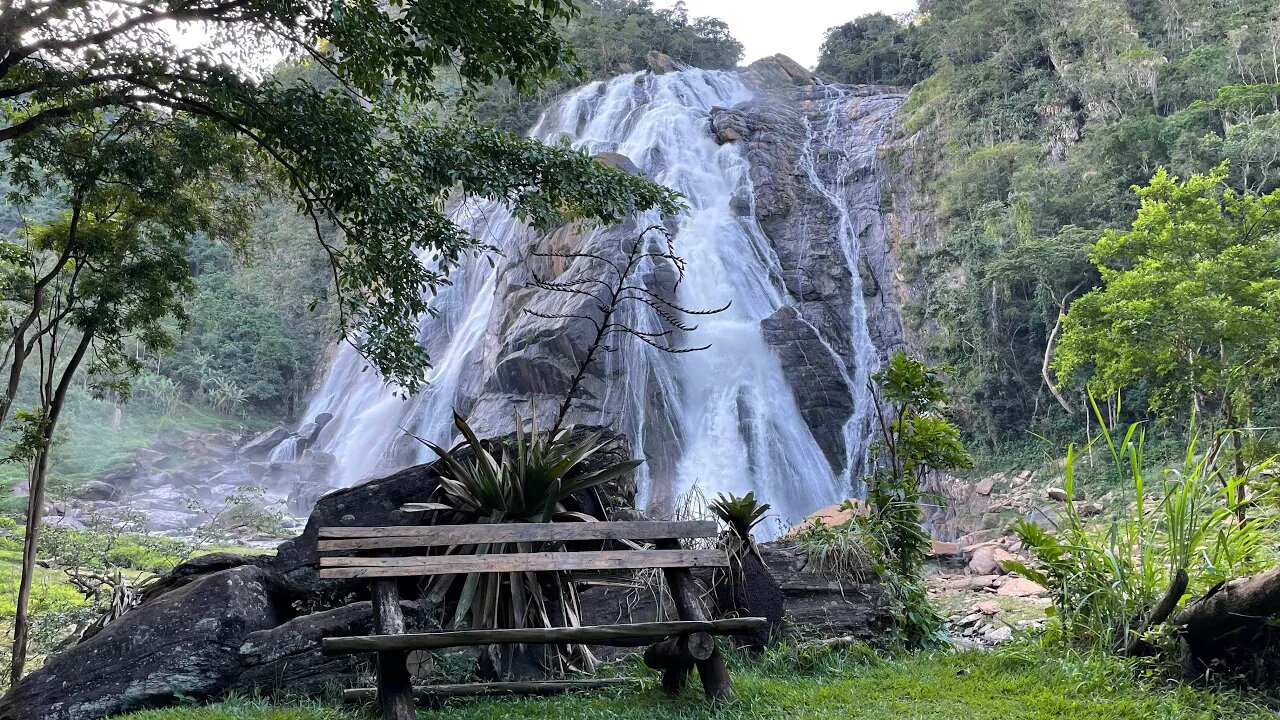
x: 712, y: 671
x: 676, y: 656
x: 395, y: 688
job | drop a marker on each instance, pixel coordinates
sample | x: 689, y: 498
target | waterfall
x: 725, y: 419
x: 286, y: 451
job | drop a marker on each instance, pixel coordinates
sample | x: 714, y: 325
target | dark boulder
x: 823, y: 605
x: 262, y: 445
x: 287, y: 659
x: 185, y: 643
x: 198, y: 567
x: 376, y: 502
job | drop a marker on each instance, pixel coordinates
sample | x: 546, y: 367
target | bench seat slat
x: 627, y: 635
x: 371, y: 567
x: 372, y: 538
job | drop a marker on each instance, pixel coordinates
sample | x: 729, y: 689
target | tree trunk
x: 1242, y: 511
x: 35, y: 507
x: 1241, y: 603
x: 1048, y: 353
x: 1134, y: 643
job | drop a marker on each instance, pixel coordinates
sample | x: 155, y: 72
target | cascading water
x: 858, y: 212
x: 724, y: 419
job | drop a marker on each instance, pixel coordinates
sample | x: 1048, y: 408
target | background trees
x: 111, y: 266
x: 875, y: 48
x: 1189, y: 307
x: 1032, y: 122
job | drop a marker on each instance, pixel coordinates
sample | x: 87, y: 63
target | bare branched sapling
x: 610, y: 284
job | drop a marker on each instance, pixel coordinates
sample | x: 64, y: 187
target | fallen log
x: 1236, y: 605
x: 542, y: 687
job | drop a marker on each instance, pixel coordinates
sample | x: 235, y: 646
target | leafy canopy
x: 1190, y: 298
x: 361, y: 155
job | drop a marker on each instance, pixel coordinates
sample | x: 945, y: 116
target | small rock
x: 987, y: 607
x: 1089, y: 509
x: 1020, y: 587
x: 986, y: 485
x: 944, y: 549
x: 998, y: 635
x: 1056, y: 493
x: 969, y: 620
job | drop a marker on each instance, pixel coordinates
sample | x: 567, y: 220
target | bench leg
x: 395, y: 687
x: 712, y: 671
x: 674, y: 679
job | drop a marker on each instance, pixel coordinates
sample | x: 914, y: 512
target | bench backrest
x: 366, y: 539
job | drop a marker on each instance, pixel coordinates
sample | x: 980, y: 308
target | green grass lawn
x: 974, y: 685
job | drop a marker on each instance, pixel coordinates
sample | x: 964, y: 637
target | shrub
x: 1106, y: 578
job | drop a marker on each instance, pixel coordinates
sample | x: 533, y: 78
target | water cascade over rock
x: 781, y: 178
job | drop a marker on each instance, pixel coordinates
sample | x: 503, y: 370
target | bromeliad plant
x: 526, y: 479
x: 741, y: 515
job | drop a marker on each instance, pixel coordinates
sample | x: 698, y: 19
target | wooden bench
x: 673, y: 647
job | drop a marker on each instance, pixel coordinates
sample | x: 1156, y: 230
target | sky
x: 791, y: 27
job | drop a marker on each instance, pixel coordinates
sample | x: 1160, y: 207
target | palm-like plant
x: 741, y: 515
x: 527, y: 479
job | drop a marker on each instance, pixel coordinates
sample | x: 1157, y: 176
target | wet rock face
x: 816, y: 375
x: 817, y: 186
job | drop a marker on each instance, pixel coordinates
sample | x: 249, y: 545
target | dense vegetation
x: 1031, y: 121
